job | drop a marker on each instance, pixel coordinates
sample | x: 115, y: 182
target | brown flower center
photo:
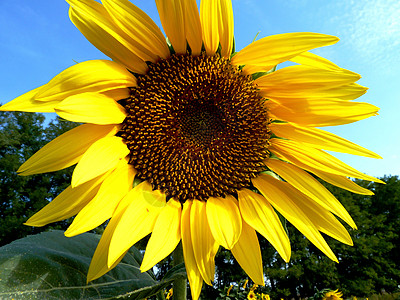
x: 196, y: 127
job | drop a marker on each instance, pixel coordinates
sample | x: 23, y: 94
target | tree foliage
x: 21, y: 135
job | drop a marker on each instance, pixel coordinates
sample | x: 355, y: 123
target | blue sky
x: 37, y: 41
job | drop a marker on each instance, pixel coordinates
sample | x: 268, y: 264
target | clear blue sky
x: 37, y: 41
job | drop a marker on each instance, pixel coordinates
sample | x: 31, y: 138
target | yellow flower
x: 265, y: 296
x: 254, y: 287
x: 170, y: 293
x: 333, y: 295
x: 251, y: 295
x: 245, y: 283
x: 203, y: 131
x: 229, y: 290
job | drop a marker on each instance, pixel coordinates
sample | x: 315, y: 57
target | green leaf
x: 51, y: 266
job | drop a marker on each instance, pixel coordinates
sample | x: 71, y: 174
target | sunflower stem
x: 179, y: 285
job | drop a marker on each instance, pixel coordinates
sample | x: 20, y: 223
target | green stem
x: 179, y: 285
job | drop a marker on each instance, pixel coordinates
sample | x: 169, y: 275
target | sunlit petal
x: 321, y: 112
x: 91, y: 108
x: 225, y: 27
x: 114, y: 187
x: 224, y: 220
x: 165, y: 237
x: 98, y: 265
x: 318, y: 138
x: 67, y: 204
x: 102, y: 155
x: 192, y: 271
x: 249, y: 257
x: 203, y: 242
x: 305, y: 78
x: 193, y: 29
x: 27, y: 103
x: 341, y: 181
x: 92, y: 20
x: 148, y: 38
x: 309, y: 186
x: 282, y: 197
x: 137, y: 221
x: 274, y: 49
x: 172, y: 19
x: 209, y: 23
x: 349, y: 91
x: 259, y: 214
x: 89, y: 76
x: 304, y: 157
x: 66, y: 150
x: 314, y: 60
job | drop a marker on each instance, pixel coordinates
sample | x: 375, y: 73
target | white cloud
x: 371, y: 29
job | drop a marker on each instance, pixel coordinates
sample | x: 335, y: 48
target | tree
x: 372, y: 264
x: 21, y: 135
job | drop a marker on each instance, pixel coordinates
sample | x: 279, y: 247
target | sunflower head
x: 333, y: 295
x: 196, y: 128
x: 192, y: 142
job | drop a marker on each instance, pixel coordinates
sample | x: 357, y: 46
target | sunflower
x: 251, y: 295
x: 191, y: 141
x: 333, y: 295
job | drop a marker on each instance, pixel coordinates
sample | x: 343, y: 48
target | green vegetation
x: 21, y: 135
x: 370, y: 268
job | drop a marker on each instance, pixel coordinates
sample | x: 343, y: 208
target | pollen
x: 196, y: 127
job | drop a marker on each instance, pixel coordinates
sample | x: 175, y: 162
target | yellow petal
x: 320, y: 112
x: 67, y: 204
x: 349, y: 91
x: 259, y: 214
x: 118, y: 94
x: 98, y: 266
x: 192, y: 271
x: 282, y: 197
x: 309, y: 186
x: 172, y: 19
x: 302, y: 81
x: 323, y: 220
x: 318, y: 138
x: 165, y: 237
x: 248, y: 254
x: 224, y: 219
x: 137, y: 221
x: 306, y: 157
x: 192, y: 26
x: 225, y: 27
x: 102, y: 155
x: 153, y: 198
x: 66, y: 150
x: 144, y: 34
x: 274, y: 49
x: 314, y: 60
x: 115, y: 186
x: 92, y: 20
x: 342, y: 182
x: 203, y: 242
x: 27, y: 103
x: 89, y: 76
x: 209, y: 24
x: 91, y: 108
